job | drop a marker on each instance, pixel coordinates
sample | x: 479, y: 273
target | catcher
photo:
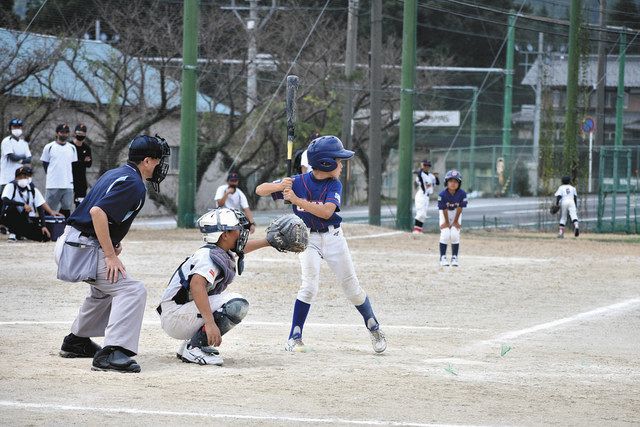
x: 196, y: 307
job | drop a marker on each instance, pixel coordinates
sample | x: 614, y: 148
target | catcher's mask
x: 156, y: 147
x: 215, y: 222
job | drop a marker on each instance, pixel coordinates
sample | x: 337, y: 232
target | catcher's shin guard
x: 229, y: 315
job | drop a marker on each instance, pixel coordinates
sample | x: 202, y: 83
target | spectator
x: 14, y: 152
x: 24, y: 208
x: 230, y: 196
x: 304, y: 160
x: 57, y: 157
x: 80, y: 167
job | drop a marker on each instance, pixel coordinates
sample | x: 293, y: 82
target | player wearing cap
x: 451, y: 201
x: 426, y: 181
x: 230, y: 196
x: 79, y: 167
x: 567, y: 199
x: 115, y: 304
x: 57, y: 157
x: 23, y: 208
x: 14, y: 152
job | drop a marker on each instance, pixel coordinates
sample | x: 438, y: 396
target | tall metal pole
x: 508, y: 94
x: 404, y: 218
x: 349, y: 68
x: 619, y: 122
x: 570, y: 152
x: 601, y: 82
x: 375, y: 120
x: 188, y: 135
x: 252, y: 53
x: 537, y: 112
x: 474, y: 125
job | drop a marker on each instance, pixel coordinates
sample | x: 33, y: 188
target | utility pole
x: 375, y: 120
x: 188, y: 129
x: 404, y: 217
x: 537, y: 112
x: 349, y: 68
x: 252, y: 52
x: 474, y: 126
x: 570, y: 152
x: 508, y: 95
x: 601, y: 83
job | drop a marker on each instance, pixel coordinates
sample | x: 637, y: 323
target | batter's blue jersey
x: 120, y: 193
x: 449, y: 201
x: 307, y: 187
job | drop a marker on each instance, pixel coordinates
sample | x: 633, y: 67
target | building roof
x: 91, y: 59
x: 555, y: 73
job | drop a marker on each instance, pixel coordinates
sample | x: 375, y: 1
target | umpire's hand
x: 114, y: 266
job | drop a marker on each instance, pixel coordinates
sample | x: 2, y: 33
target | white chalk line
x: 270, y: 324
x: 134, y: 411
x: 606, y: 310
x: 366, y: 236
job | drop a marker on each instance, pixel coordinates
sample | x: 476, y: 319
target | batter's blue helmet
x: 15, y: 122
x: 323, y: 152
x: 453, y: 174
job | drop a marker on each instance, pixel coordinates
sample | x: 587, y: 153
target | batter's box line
x: 49, y: 407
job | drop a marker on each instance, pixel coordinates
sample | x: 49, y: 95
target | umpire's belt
x: 324, y: 230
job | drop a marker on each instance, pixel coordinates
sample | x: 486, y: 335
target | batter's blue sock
x: 300, y: 311
x: 443, y: 249
x: 366, y: 311
x: 454, y: 248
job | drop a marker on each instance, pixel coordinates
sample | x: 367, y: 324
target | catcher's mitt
x: 288, y: 234
x: 554, y: 209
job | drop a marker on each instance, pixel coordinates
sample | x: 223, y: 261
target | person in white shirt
x: 567, y: 199
x: 426, y: 181
x: 230, y: 196
x: 57, y: 158
x: 23, y: 208
x: 14, y: 152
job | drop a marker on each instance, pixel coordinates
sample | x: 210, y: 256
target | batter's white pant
x: 568, y: 207
x: 422, y: 203
x: 332, y: 247
x: 182, y: 321
x: 449, y: 235
x: 112, y: 310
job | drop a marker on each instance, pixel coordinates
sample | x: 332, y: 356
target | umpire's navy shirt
x: 120, y: 193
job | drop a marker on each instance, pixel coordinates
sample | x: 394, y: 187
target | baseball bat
x: 290, y: 108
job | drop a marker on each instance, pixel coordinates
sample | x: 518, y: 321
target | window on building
x: 174, y: 160
x: 556, y: 99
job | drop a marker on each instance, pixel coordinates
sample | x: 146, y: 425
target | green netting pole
x: 619, y: 122
x: 508, y: 95
x: 472, y: 154
x: 628, y: 210
x: 188, y: 125
x: 601, y: 189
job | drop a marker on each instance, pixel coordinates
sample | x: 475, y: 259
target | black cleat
x: 113, y: 358
x: 577, y: 232
x: 74, y: 346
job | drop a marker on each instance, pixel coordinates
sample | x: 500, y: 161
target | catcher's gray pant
x: 181, y: 321
x: 112, y: 310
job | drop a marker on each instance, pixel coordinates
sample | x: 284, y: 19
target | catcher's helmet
x: 323, y: 152
x: 16, y: 123
x: 566, y: 180
x: 453, y: 174
x: 217, y: 221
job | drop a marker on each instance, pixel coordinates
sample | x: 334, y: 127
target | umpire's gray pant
x: 112, y: 310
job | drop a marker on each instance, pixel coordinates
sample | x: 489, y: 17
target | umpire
x: 115, y: 304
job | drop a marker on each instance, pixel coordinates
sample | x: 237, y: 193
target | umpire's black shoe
x: 113, y: 358
x: 75, y: 346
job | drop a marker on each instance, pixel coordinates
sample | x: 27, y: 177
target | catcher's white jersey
x: 567, y: 192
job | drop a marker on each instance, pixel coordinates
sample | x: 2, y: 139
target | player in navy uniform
x: 115, y: 304
x: 315, y: 197
x: 451, y: 201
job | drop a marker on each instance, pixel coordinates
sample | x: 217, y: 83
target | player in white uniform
x: 196, y: 307
x: 14, y: 153
x: 316, y: 198
x: 567, y: 198
x: 426, y: 182
x: 232, y: 197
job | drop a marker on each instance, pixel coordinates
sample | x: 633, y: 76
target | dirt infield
x: 529, y: 330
